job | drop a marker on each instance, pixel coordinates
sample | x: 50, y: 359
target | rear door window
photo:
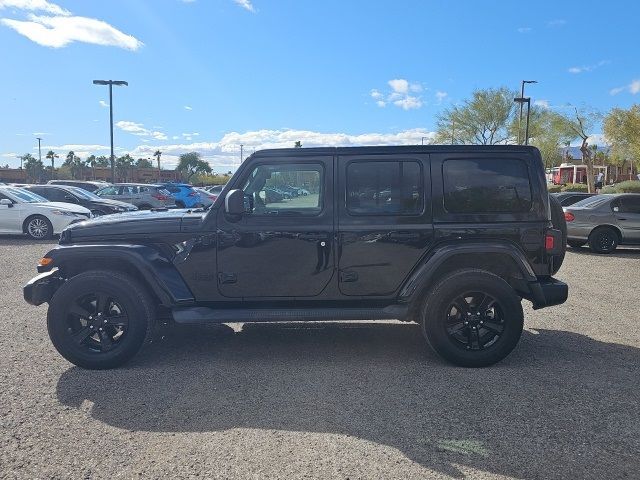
x: 486, y: 185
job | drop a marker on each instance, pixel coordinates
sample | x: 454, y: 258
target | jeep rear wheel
x: 99, y: 319
x: 472, y: 318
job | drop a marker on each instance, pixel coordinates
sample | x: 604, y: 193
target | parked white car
x: 22, y: 211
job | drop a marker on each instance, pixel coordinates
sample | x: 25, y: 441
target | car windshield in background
x: 26, y: 195
x: 84, y: 194
x: 591, y: 202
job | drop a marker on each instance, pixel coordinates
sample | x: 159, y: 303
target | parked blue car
x: 185, y: 195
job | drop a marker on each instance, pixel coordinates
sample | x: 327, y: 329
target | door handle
x: 404, y: 235
x: 622, y: 218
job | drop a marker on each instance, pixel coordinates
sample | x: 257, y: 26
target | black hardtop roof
x: 388, y: 150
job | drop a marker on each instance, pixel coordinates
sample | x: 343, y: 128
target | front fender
x: 157, y: 272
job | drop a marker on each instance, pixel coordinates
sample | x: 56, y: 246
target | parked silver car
x: 143, y: 196
x: 604, y: 222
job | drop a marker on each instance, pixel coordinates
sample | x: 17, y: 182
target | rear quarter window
x: 486, y: 185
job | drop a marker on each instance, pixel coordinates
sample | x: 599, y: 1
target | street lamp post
x: 522, y: 96
x: 111, y: 83
x: 241, y: 147
x: 526, y: 100
x: 39, y: 150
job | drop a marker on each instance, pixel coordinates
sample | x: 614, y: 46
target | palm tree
x: 158, y: 154
x: 51, y: 155
x: 91, y: 162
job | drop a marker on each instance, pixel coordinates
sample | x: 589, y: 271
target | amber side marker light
x: 44, y: 261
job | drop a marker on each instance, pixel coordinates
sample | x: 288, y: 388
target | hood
x: 67, y: 207
x: 133, y: 224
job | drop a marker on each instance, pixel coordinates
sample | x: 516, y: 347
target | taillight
x: 549, y: 242
x: 569, y: 217
x: 159, y: 196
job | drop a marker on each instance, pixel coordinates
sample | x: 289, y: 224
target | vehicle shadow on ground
x: 623, y: 252
x: 562, y: 405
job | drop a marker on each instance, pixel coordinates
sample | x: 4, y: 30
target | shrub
x: 630, y: 186
x: 608, y: 189
x: 554, y: 188
x: 574, y: 187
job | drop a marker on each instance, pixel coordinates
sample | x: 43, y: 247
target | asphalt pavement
x: 357, y: 400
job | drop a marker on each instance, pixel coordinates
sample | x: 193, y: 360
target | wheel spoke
x: 79, y: 311
x: 493, y: 327
x: 81, y: 335
x: 105, y: 341
x: 117, y: 320
x: 101, y: 303
x: 477, y: 332
x: 455, y: 328
x: 486, y: 303
x: 461, y: 306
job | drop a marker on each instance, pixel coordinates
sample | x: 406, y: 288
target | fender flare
x: 157, y: 272
x: 423, y: 275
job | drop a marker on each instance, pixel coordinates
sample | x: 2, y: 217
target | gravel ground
x: 361, y: 400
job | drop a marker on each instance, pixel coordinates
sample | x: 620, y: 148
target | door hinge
x: 225, y: 278
x: 348, y: 276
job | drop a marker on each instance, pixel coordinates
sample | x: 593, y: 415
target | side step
x: 199, y: 315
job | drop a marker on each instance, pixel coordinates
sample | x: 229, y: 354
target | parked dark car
x: 569, y: 198
x: 465, y: 233
x: 99, y: 206
x: 85, y: 185
x: 604, y: 222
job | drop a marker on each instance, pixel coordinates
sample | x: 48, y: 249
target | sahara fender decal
x: 158, y: 272
x: 441, y: 254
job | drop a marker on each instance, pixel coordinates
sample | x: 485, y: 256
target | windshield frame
x: 17, y: 194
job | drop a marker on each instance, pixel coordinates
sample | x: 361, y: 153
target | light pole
x: 241, y: 147
x: 422, y: 140
x: 39, y: 150
x: 522, y: 96
x: 526, y: 100
x: 111, y: 83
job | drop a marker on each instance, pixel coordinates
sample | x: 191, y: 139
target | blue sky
x: 208, y: 75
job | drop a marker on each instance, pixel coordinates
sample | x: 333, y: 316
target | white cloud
x: 399, y: 85
x: 588, y: 68
x: 246, y: 4
x: 226, y: 151
x: 525, y: 29
x: 40, y: 134
x: 103, y: 104
x: 542, y: 103
x: 440, y: 96
x: 35, y: 6
x: 61, y: 28
x: 400, y: 94
x: 633, y: 88
x: 558, y: 22
x: 138, y: 129
x: 187, y: 107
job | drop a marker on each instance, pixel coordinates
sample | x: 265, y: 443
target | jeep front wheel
x: 100, y: 319
x: 472, y: 318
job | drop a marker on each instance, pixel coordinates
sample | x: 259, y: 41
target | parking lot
x: 341, y: 400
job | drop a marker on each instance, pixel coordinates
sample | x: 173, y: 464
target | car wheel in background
x: 603, y: 240
x: 38, y: 227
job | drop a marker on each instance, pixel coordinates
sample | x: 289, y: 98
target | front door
x: 384, y: 221
x: 10, y: 216
x: 628, y: 217
x: 283, y: 246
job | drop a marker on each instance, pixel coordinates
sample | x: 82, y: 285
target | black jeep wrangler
x: 451, y: 237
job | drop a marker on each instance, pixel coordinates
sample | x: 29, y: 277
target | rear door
x: 10, y: 216
x: 628, y: 217
x: 384, y: 221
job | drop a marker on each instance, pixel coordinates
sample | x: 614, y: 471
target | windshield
x: 85, y: 195
x: 23, y: 195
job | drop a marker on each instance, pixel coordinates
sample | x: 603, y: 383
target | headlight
x: 63, y: 212
x: 119, y: 209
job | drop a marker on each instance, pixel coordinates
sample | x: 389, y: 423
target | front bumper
x: 548, y: 292
x: 41, y: 288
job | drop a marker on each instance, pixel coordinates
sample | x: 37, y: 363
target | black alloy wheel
x: 475, y: 321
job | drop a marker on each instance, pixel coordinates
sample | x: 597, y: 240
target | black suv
x: 451, y: 237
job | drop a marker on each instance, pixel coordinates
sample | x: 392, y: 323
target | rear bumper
x: 548, y: 292
x: 41, y: 288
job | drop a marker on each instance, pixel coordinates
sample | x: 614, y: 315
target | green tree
x: 549, y: 132
x: 102, y: 161
x: 75, y: 164
x: 622, y: 130
x: 298, y: 144
x: 158, y: 154
x: 191, y: 163
x: 124, y: 164
x: 51, y: 155
x: 91, y: 163
x: 33, y: 166
x: 143, y: 163
x: 484, y: 119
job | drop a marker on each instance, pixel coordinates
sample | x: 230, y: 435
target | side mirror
x: 234, y: 203
x: 616, y: 209
x: 7, y: 202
